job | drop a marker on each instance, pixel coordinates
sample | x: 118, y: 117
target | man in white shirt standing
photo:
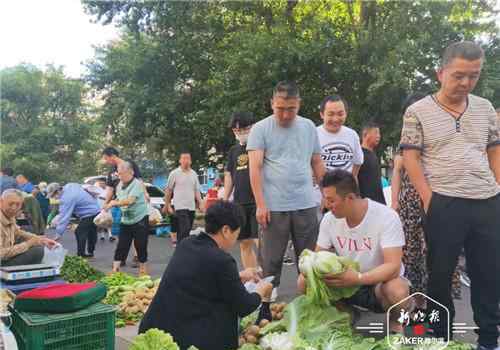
x: 370, y: 234
x: 340, y: 145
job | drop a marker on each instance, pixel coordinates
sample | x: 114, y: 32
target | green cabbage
x: 315, y: 265
x: 154, y: 339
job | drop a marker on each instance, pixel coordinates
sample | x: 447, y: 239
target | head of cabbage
x: 315, y: 265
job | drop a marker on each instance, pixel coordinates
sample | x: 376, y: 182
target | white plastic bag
x: 54, y: 256
x: 104, y: 219
x: 154, y: 216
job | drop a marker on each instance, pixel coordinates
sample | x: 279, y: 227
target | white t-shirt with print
x: 341, y: 150
x: 380, y: 228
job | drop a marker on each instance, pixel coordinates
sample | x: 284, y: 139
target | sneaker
x: 287, y: 260
x: 102, y: 238
x: 123, y: 263
x: 274, y: 295
x: 112, y: 239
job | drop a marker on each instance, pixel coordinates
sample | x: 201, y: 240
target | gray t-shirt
x: 184, y: 185
x: 287, y: 173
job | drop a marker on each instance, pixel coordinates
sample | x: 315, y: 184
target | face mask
x: 243, y: 138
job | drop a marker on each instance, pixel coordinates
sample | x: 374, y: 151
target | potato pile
x: 252, y: 334
x: 137, y: 300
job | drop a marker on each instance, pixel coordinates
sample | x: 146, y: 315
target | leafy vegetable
x: 118, y: 279
x: 154, y: 339
x: 314, y: 266
x: 77, y: 269
x: 277, y: 341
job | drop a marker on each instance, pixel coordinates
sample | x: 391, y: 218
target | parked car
x: 155, y: 193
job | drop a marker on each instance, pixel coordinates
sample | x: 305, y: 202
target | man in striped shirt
x: 451, y: 150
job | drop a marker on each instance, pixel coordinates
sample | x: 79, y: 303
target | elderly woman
x: 18, y: 247
x: 201, y: 294
x: 130, y: 197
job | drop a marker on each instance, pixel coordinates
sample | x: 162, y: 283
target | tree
x: 181, y: 68
x: 46, y: 134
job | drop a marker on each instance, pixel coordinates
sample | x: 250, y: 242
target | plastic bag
x: 103, y: 219
x: 54, y: 256
x: 154, y: 216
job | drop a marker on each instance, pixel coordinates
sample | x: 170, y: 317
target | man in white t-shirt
x: 370, y: 234
x: 340, y: 145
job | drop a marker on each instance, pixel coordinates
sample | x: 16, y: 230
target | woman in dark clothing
x: 201, y: 294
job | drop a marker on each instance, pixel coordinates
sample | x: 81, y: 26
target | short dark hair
x: 287, y: 88
x: 467, y: 50
x: 412, y: 98
x: 110, y: 151
x: 223, y: 213
x: 333, y: 98
x: 241, y: 120
x: 343, y: 181
x: 8, y: 171
x: 368, y: 126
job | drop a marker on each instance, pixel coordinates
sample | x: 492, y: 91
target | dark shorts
x: 250, y: 229
x: 366, y: 298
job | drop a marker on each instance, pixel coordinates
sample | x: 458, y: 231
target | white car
x: 155, y: 193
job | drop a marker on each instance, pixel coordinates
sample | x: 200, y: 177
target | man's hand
x: 263, y: 216
x: 168, y: 210
x: 250, y: 274
x: 349, y: 278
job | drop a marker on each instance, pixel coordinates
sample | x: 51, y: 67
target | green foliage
x: 181, y: 68
x: 46, y: 131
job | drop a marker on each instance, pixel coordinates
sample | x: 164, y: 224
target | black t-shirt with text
x: 370, y: 178
x: 238, y: 167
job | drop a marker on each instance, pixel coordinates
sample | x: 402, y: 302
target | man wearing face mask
x: 237, y: 177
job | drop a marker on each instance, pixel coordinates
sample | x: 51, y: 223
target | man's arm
x: 228, y: 185
x: 318, y: 167
x: 494, y: 159
x: 256, y: 160
x: 355, y: 171
x: 167, y: 209
x: 413, y: 165
x: 388, y: 270
x: 29, y: 239
x: 109, y: 194
x: 66, y: 208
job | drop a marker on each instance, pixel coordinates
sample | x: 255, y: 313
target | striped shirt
x: 454, y: 151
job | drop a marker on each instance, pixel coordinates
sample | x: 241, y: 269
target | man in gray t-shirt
x: 284, y: 152
x: 183, y: 184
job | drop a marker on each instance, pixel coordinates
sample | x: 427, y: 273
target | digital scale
x: 28, y: 273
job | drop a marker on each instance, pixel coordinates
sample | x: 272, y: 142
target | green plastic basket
x: 92, y: 328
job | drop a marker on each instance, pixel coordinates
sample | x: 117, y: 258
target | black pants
x: 455, y: 223
x: 34, y: 255
x: 138, y: 233
x: 185, y: 219
x: 86, y: 235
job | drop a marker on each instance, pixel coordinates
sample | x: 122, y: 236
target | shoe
x: 102, y: 238
x: 123, y: 263
x: 287, y: 261
x: 112, y: 239
x: 87, y: 256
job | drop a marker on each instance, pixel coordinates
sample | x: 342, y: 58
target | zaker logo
x: 337, y: 155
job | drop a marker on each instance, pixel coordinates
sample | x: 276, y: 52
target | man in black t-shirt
x: 370, y: 175
x: 237, y: 177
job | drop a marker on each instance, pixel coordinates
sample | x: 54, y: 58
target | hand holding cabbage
x: 323, y: 275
